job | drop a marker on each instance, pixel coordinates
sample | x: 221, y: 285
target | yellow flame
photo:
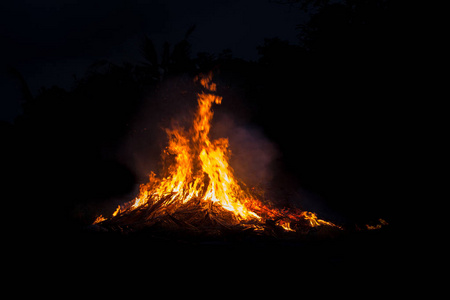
x: 99, y: 219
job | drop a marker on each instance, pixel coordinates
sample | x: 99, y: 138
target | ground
x: 369, y: 251
x: 124, y: 265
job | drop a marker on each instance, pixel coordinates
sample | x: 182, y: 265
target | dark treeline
x: 331, y: 104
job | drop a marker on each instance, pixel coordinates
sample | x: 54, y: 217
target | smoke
x: 253, y: 155
x: 173, y: 101
x: 254, y: 158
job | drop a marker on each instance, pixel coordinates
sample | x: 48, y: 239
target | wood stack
x: 169, y: 214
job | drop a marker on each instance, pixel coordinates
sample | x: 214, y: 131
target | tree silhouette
x: 176, y: 62
x: 337, y: 95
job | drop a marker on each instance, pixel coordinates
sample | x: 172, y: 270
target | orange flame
x: 198, y: 170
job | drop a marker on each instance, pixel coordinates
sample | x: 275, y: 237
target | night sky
x: 50, y: 41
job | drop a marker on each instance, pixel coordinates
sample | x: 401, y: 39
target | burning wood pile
x: 198, y: 190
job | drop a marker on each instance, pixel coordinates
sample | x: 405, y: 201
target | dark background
x: 319, y: 79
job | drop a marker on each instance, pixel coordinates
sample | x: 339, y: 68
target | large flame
x: 197, y: 177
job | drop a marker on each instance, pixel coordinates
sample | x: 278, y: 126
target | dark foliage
x: 344, y: 82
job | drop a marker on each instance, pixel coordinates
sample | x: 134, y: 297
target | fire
x: 377, y: 226
x: 198, y: 184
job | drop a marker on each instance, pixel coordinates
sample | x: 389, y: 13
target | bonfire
x: 197, y: 188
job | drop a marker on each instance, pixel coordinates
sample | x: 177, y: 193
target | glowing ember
x: 198, y: 187
x: 377, y: 226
